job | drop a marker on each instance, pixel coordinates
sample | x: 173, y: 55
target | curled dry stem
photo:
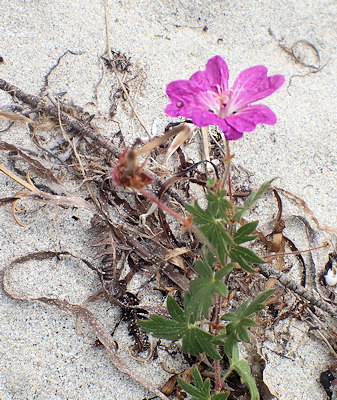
x: 27, y: 184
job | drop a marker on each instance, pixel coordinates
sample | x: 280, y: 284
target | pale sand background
x: 41, y: 356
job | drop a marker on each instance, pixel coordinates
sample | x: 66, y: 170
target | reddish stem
x: 163, y: 206
x: 217, y: 364
x: 186, y: 222
x: 229, y: 159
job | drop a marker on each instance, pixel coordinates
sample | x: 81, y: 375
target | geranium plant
x: 200, y: 322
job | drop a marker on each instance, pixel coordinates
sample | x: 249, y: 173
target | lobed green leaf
x: 200, y: 390
x: 243, y: 234
x: 175, y: 310
x: 163, y: 328
x: 196, y: 341
x: 243, y: 369
x: 236, y: 329
x: 243, y: 256
x: 220, y: 396
x: 251, y: 200
x: 213, y: 222
x: 218, y: 205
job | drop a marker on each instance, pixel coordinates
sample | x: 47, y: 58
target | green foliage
x: 201, y: 389
x: 194, y: 340
x: 243, y: 369
x: 244, y: 233
x: 243, y: 256
x: 213, y: 222
x: 219, y: 224
x: 251, y: 201
x: 236, y: 329
x: 209, y: 282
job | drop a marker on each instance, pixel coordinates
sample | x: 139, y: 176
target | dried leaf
x: 70, y: 201
x: 270, y: 284
x: 16, y: 117
x: 4, y: 146
x: 173, y: 256
x: 178, y: 141
x: 170, y: 386
x: 176, y: 277
x: 278, y: 246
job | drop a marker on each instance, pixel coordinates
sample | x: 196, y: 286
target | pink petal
x: 182, y: 90
x: 233, y: 134
x: 173, y: 111
x: 205, y: 118
x: 184, y: 97
x: 215, y: 75
x: 200, y: 78
x: 253, y: 84
x: 247, y: 118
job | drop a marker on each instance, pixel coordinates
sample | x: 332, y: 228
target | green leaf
x: 189, y: 309
x: 247, y: 308
x: 210, y: 182
x: 218, y: 205
x: 220, y: 396
x: 224, y: 271
x: 247, y: 254
x: 230, y: 347
x: 257, y: 305
x: 163, y: 328
x: 242, y: 333
x: 196, y: 341
x: 236, y: 329
x: 198, y: 378
x: 175, y: 310
x: 263, y: 296
x: 251, y: 200
x: 200, y: 390
x: 213, y: 222
x: 201, y: 217
x: 204, y: 266
x: 243, y: 256
x: 244, y: 233
x: 202, y: 291
x: 243, y: 369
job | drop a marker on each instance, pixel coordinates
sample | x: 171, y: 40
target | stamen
x: 222, y: 98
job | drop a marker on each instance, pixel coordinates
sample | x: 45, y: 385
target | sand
x: 42, y: 357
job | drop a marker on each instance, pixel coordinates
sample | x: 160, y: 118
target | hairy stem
x: 228, y: 170
x: 186, y: 222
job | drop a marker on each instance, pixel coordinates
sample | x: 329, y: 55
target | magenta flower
x: 206, y: 99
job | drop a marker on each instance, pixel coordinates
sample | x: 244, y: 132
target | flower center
x: 219, y: 101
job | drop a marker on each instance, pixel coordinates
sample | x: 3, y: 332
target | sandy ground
x: 41, y: 355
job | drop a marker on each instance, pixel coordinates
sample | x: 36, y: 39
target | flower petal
x: 182, y: 90
x: 253, y: 84
x: 214, y: 77
x: 184, y: 97
x: 247, y: 119
x: 205, y: 118
x: 233, y: 134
